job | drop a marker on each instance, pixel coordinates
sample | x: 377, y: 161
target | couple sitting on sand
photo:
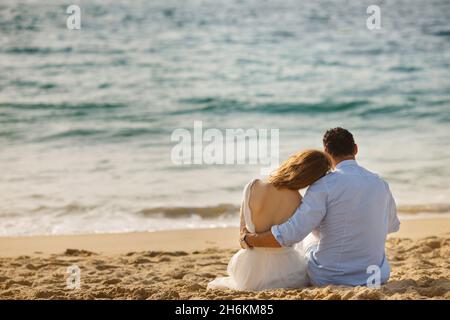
x: 339, y: 228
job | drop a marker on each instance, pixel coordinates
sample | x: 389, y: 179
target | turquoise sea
x: 86, y: 116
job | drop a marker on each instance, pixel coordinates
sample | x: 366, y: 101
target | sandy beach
x: 128, y: 130
x: 179, y: 264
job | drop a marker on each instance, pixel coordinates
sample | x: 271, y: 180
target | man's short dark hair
x: 338, y: 142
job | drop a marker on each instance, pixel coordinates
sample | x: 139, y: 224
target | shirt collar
x: 346, y: 163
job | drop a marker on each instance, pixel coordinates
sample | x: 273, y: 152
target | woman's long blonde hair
x: 301, y: 170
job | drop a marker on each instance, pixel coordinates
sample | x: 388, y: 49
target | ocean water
x: 86, y: 116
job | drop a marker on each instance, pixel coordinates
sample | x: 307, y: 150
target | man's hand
x: 242, y: 240
x: 265, y: 239
x: 243, y: 231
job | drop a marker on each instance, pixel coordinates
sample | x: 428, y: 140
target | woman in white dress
x: 268, y: 203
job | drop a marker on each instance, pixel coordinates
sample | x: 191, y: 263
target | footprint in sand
x: 141, y: 261
x: 112, y: 281
x: 77, y: 252
x: 102, y: 267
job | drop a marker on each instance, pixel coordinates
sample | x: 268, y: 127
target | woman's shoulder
x: 253, y: 184
x: 258, y: 193
x: 248, y: 189
x: 262, y: 191
x: 258, y: 186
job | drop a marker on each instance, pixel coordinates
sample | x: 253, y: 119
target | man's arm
x: 393, y: 222
x: 305, y: 219
x: 265, y: 239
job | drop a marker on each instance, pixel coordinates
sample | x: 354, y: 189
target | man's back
x: 354, y: 229
x: 353, y: 210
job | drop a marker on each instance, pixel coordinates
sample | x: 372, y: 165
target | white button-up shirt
x: 353, y: 210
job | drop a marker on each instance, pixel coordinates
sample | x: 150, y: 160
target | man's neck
x: 336, y: 161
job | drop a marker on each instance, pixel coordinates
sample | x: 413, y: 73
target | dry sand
x: 179, y: 264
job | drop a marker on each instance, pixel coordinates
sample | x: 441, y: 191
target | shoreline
x: 172, y: 240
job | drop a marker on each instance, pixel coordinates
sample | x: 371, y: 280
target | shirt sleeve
x: 306, y: 218
x: 393, y: 222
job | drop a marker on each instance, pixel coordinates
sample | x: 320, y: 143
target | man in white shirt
x: 345, y: 218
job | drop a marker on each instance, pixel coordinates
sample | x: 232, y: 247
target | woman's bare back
x: 270, y: 206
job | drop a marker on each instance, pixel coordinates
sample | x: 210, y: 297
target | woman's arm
x: 242, y: 227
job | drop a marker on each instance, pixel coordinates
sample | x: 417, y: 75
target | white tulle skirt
x: 264, y: 268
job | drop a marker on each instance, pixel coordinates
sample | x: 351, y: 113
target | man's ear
x: 355, y: 151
